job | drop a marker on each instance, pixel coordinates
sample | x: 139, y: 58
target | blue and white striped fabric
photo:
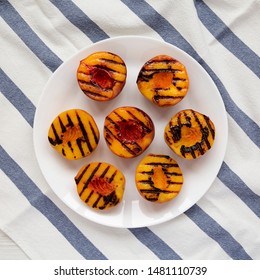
x: 223, y: 36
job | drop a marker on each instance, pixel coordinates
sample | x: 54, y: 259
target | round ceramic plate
x: 62, y: 93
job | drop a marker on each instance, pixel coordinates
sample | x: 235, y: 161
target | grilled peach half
x: 74, y: 134
x: 102, y: 75
x: 163, y: 80
x: 158, y: 178
x: 100, y: 185
x: 190, y: 134
x: 128, y: 131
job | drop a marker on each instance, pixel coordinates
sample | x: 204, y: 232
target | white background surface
x: 9, y: 250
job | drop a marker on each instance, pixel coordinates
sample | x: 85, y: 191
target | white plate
x: 62, y: 92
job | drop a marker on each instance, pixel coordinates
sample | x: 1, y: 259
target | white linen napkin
x: 38, y: 36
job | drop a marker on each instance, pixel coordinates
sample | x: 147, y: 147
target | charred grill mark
x: 101, y: 66
x: 52, y: 142
x: 124, y: 145
x: 94, y: 94
x: 83, y: 73
x: 212, y: 131
x: 163, y: 164
x: 112, y: 177
x: 188, y: 120
x: 89, y: 196
x: 63, y: 128
x: 174, y: 183
x: 78, y: 178
x: 90, y: 178
x: 175, y: 130
x: 197, y: 119
x: 157, y: 97
x: 147, y: 172
x: 111, y: 198
x: 144, y: 78
x: 153, y: 190
x: 108, y: 138
x: 113, y: 122
x: 156, y: 191
x: 86, y: 75
x: 119, y: 116
x: 111, y: 61
x: 159, y: 156
x: 185, y: 150
x: 166, y: 61
x: 192, y: 149
x: 152, y: 198
x: 158, y: 89
x: 104, y: 172
x: 204, y: 133
x: 147, y: 74
x: 70, y: 122
x: 93, y: 88
x: 167, y: 138
x: 137, y: 148
x: 94, y: 133
x: 57, y: 139
x: 70, y: 146
x: 147, y: 182
x: 172, y: 173
x: 177, y: 79
x: 84, y: 82
x: 154, y: 71
x: 141, y: 123
x: 79, y: 144
x: 179, y: 120
x: 84, y: 133
x: 96, y: 202
x: 175, y: 133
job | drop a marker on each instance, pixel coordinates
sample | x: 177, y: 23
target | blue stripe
x: 23, y: 30
x: 236, y: 185
x: 17, y: 98
x: 216, y: 232
x: 227, y: 38
x: 155, y: 244
x: 153, y: 19
x: 75, y: 15
x: 43, y: 204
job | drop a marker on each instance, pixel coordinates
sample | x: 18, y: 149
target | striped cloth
x: 223, y: 36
